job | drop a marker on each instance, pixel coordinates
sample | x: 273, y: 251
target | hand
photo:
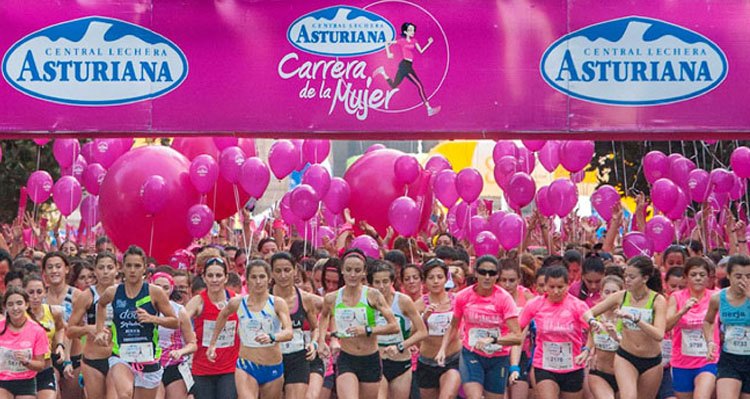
x: 324, y: 352
x: 144, y: 316
x: 482, y: 343
x: 335, y: 347
x: 68, y: 371
x: 440, y: 358
x: 368, y: 229
x: 211, y: 353
x: 429, y: 310
x: 263, y: 338
x: 356, y: 331
x: 391, y: 351
x: 22, y: 357
x: 348, y: 216
x: 102, y: 338
x: 312, y: 350
x: 513, y: 377
x: 711, y: 351
x: 60, y: 352
x: 582, y: 358
x: 624, y: 315
x: 689, y: 304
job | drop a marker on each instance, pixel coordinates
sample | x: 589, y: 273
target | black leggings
x: 642, y: 364
x: 405, y: 70
x: 220, y: 386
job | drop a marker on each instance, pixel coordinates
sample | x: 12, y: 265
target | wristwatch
x: 400, y: 347
x: 368, y: 330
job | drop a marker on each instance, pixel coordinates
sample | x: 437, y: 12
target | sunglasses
x: 215, y: 261
x: 486, y: 272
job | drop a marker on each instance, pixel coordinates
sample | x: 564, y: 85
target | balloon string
x: 239, y: 212
x: 151, y: 240
x: 411, y: 250
x: 304, y: 247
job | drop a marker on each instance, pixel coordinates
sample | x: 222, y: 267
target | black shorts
x: 317, y: 366
x: 735, y: 367
x: 45, y: 379
x: 20, y: 387
x: 75, y: 360
x: 392, y: 369
x: 570, y: 382
x: 641, y: 364
x: 525, y: 367
x: 296, y: 368
x: 171, y: 374
x: 428, y: 375
x: 367, y: 368
x: 101, y: 365
x: 610, y: 378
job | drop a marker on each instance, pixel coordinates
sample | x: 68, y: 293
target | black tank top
x: 299, y: 317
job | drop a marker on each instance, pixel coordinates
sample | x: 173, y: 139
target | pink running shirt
x: 407, y: 48
x: 483, y: 316
x: 688, y: 346
x: 32, y: 339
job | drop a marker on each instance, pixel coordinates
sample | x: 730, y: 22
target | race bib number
x: 737, y: 340
x: 557, y: 356
x: 645, y: 314
x: 137, y: 353
x: 250, y: 329
x: 226, y: 336
x: 390, y: 339
x: 666, y: 351
x: 9, y: 363
x: 187, y: 375
x: 349, y: 317
x: 110, y: 315
x: 438, y: 323
x: 475, y: 334
x: 693, y: 343
x: 296, y: 344
x: 605, y: 342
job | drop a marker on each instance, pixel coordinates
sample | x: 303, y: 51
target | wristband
x: 272, y: 337
x: 591, y: 320
x: 60, y: 344
x: 67, y: 363
x: 368, y: 330
x: 515, y: 368
x: 585, y: 348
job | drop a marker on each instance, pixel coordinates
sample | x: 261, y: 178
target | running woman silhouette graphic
x: 405, y: 68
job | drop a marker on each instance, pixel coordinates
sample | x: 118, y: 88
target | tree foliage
x: 20, y: 159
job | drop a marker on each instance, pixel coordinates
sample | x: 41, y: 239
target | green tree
x: 20, y: 159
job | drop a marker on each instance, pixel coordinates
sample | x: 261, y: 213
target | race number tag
x: 693, y: 343
x: 390, y: 339
x: 475, y: 334
x: 226, y: 336
x: 737, y: 340
x: 438, y: 323
x: 666, y: 351
x: 645, y: 314
x: 605, y: 342
x: 137, y: 353
x: 296, y: 344
x: 557, y: 356
x: 349, y: 317
x: 187, y: 375
x: 9, y: 363
x: 250, y: 329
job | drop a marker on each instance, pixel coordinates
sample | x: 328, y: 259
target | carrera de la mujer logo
x: 634, y: 61
x: 94, y: 61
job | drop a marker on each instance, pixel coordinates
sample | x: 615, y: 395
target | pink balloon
x: 254, y: 177
x: 526, y: 160
x: 722, y: 180
x: 718, y: 201
x: 603, y: 199
x: 477, y: 224
x: 533, y: 145
x: 41, y: 142
x: 67, y: 194
x: 337, y: 197
x: 126, y: 221
x: 421, y: 192
x: 66, y: 151
x: 437, y: 163
x: 204, y: 171
x: 563, y: 193
x: 698, y: 185
x: 469, y: 184
x: 87, y: 150
x: 577, y: 177
x: 663, y: 194
x: 494, y: 222
x: 486, y: 244
x: 655, y: 166
x: 230, y: 163
x: 463, y: 214
x: 199, y: 220
x: 514, y: 230
x: 636, y: 243
x: 318, y: 178
x: 286, y: 209
x: 543, y: 202
x: 154, y: 194
x: 403, y: 215
x: 503, y: 148
x: 106, y: 151
x: 304, y: 202
x: 90, y: 210
x: 661, y: 232
x: 374, y: 147
x: 39, y: 186
x: 505, y: 167
x: 407, y: 169
x: 77, y: 169
x: 549, y: 155
x: 1, y: 154
x: 445, y: 187
x: 740, y: 162
x: 679, y: 171
x: 93, y: 177
x: 315, y: 151
x: 283, y: 158
x: 368, y: 245
x: 681, y: 203
x: 223, y: 142
x: 738, y: 189
x: 521, y: 189
x: 575, y: 155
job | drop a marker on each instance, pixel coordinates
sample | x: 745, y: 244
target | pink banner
x: 392, y: 69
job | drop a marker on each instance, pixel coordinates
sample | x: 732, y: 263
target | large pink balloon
x: 740, y: 161
x: 154, y: 194
x: 230, y: 163
x: 503, y: 148
x: 87, y: 150
x: 220, y: 199
x: 304, y: 202
x: 663, y: 194
x: 738, y: 189
x: 76, y: 170
x: 514, y: 230
x: 318, y: 178
x: 254, y: 177
x: 403, y: 215
x: 66, y: 151
x: 533, y: 145
x: 660, y: 231
x: 575, y: 155
x: 505, y: 167
x: 469, y: 184
x: 655, y: 166
x: 106, y: 151
x: 41, y: 142
x: 90, y: 210
x: 283, y: 158
x: 563, y: 193
x: 543, y: 203
x: 603, y: 199
x: 368, y: 245
x: 286, y: 209
x: 636, y: 243
x: 698, y: 189
x: 445, y: 187
x: 679, y: 171
x: 204, y: 171
x: 681, y: 202
x: 549, y: 155
x: 521, y: 189
x: 526, y: 160
x: 437, y: 163
x: 722, y: 180
x: 486, y: 244
x: 93, y: 177
x: 67, y: 194
x: 373, y: 188
x: 125, y: 220
x: 199, y: 220
x: 338, y: 195
x: 39, y: 186
x: 315, y: 151
x: 477, y: 224
x: 494, y: 222
x: 407, y: 169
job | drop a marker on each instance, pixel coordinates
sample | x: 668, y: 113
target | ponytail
x: 645, y: 266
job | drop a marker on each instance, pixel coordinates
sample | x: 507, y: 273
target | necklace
x: 638, y: 299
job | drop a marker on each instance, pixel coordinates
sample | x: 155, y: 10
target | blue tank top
x: 735, y: 323
x: 134, y: 342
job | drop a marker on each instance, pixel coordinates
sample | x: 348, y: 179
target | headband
x: 158, y: 275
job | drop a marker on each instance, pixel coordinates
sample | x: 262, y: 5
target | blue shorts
x: 490, y: 372
x: 665, y: 388
x: 683, y: 380
x: 261, y: 373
